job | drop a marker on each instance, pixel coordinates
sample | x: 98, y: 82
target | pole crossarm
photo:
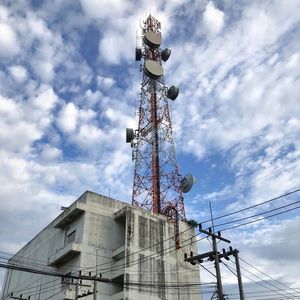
x: 213, y: 235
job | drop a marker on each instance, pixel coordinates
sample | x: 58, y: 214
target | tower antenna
x: 157, y: 184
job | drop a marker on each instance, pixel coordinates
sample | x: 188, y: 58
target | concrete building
x: 98, y: 234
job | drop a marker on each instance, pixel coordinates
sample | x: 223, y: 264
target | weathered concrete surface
x: 127, y: 244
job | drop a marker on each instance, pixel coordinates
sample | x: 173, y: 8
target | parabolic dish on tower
x: 151, y: 39
x: 153, y: 69
x: 187, y: 183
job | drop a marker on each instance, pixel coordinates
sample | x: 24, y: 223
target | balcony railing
x: 65, y: 254
x: 69, y: 215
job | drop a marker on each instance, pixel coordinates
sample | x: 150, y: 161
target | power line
x: 141, y: 250
x: 261, y: 219
x: 269, y: 283
x: 130, y: 283
x: 259, y: 283
x: 258, y: 214
x: 147, y: 257
x: 283, y: 284
x: 255, y: 205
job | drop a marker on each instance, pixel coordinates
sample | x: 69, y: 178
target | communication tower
x: 157, y: 185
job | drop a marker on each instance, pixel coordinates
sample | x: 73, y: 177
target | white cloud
x: 8, y: 43
x: 105, y: 82
x: 9, y: 108
x: 213, y: 19
x: 67, y: 118
x: 92, y: 98
x: 50, y: 153
x: 3, y: 13
x: 19, y: 73
x: 239, y: 88
x: 88, y: 136
x: 45, y: 99
x: 25, y: 121
x: 109, y: 48
x: 104, y: 9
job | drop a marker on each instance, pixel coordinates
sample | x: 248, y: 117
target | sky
x: 69, y: 86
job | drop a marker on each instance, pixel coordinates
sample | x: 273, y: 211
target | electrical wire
x: 256, y: 276
x: 206, y: 269
x: 283, y: 284
x: 255, y: 205
x: 258, y: 214
x: 261, y: 219
x: 259, y: 283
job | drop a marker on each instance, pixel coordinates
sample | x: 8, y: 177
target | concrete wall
x: 120, y: 242
x: 152, y: 262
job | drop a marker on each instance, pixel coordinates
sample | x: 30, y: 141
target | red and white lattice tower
x: 157, y: 185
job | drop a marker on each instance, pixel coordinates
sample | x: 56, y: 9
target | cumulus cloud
x: 50, y: 153
x: 9, y: 45
x: 19, y: 73
x: 101, y: 10
x: 61, y: 119
x: 105, y: 82
x: 67, y: 118
x: 213, y: 19
x: 25, y: 121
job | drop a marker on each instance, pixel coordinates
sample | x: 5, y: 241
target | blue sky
x: 69, y: 87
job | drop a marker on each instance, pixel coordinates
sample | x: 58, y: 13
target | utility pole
x: 225, y: 254
x: 238, y: 273
x: 217, y: 262
x: 216, y: 257
x: 217, y: 267
x: 76, y: 290
x: 95, y: 290
x: 95, y: 281
x: 40, y: 288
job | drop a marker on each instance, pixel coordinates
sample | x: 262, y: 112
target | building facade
x: 132, y: 247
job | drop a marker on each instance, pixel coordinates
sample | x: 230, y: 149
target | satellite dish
x: 151, y: 39
x: 138, y: 54
x: 153, y: 69
x: 187, y: 183
x: 173, y: 92
x: 129, y: 135
x: 165, y: 54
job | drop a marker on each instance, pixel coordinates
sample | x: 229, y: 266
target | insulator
x: 165, y: 54
x: 138, y: 54
x: 173, y: 92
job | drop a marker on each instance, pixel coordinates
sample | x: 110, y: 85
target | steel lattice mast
x: 157, y: 185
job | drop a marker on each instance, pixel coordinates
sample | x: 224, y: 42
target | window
x: 70, y: 237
